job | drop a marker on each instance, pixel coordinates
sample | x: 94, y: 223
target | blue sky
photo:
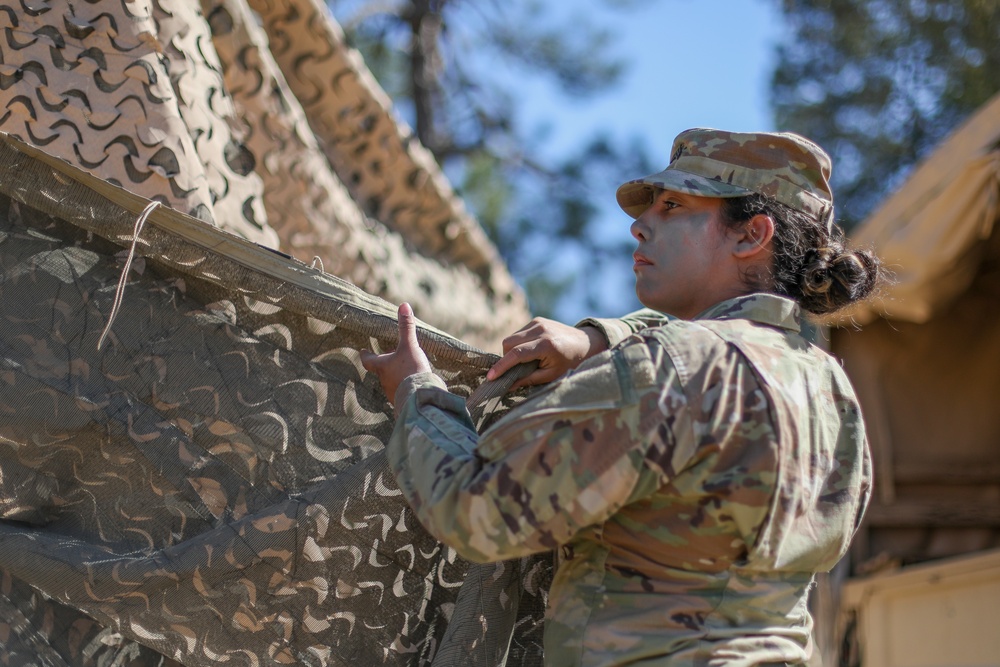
x: 690, y: 63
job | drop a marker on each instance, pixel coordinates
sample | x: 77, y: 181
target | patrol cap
x: 715, y: 163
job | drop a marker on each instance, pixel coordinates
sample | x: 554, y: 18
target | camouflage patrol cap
x: 716, y: 163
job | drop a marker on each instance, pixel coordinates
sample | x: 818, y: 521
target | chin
x: 652, y: 303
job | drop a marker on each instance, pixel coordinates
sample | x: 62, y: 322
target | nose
x: 638, y: 229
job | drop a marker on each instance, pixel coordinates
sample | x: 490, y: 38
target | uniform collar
x: 769, y: 309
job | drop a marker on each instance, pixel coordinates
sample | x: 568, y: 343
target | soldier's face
x: 683, y: 263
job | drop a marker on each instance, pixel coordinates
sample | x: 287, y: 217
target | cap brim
x: 635, y: 196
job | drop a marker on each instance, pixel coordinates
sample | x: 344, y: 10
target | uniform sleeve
x: 616, y: 330
x: 566, y: 459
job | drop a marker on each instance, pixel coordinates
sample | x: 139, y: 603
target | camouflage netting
x: 264, y: 124
x: 210, y: 487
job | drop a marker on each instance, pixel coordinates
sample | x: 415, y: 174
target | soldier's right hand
x: 557, y: 347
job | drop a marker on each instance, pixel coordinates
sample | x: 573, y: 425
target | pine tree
x: 879, y: 83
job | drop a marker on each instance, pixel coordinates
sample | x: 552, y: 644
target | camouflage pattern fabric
x: 693, y: 478
x: 716, y: 163
x: 122, y: 90
x: 296, y: 147
x: 277, y: 133
x: 617, y: 329
x: 211, y: 486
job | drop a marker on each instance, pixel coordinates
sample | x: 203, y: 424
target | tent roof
x: 924, y: 230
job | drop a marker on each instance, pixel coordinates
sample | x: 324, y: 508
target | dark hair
x: 810, y: 264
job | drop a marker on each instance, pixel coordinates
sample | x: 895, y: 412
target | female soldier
x: 695, y: 476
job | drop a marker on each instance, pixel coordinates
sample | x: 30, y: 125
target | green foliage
x: 454, y: 69
x: 879, y: 83
x: 487, y: 194
x: 566, y: 55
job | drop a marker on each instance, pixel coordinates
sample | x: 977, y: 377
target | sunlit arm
x: 567, y: 459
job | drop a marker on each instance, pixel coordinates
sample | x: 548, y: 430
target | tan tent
x: 930, y: 230
x: 925, y: 360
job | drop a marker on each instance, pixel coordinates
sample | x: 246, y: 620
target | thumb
x: 407, y: 328
x: 368, y: 360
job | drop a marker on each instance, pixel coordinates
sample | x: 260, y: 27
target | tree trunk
x: 425, y: 20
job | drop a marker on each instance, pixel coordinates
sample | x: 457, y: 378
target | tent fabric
x: 927, y: 229
x: 210, y: 487
x: 265, y: 125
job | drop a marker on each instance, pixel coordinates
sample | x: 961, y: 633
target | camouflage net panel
x: 184, y: 102
x: 211, y: 487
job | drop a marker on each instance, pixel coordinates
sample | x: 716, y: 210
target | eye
x: 669, y: 204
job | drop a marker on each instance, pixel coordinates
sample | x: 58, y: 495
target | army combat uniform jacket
x: 692, y: 480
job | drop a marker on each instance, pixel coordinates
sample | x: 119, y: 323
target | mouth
x: 640, y: 260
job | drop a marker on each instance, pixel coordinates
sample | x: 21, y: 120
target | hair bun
x: 833, y: 277
x: 816, y: 279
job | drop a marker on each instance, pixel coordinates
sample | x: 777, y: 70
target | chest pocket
x: 635, y: 369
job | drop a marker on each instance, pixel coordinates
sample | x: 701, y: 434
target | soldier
x: 693, y: 464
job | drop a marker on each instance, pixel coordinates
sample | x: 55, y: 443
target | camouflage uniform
x: 692, y: 479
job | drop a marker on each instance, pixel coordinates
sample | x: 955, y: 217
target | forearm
x: 526, y: 486
x: 452, y: 490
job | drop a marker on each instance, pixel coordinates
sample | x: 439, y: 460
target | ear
x: 754, y: 237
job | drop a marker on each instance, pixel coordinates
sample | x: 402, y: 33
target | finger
x: 533, y: 330
x: 533, y: 322
x: 519, y: 337
x: 512, y: 358
x: 541, y: 376
x: 407, y: 327
x: 369, y: 360
x: 496, y: 370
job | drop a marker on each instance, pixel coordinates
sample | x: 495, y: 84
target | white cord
x: 119, y: 293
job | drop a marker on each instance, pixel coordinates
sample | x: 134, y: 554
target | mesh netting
x: 255, y: 117
x: 211, y: 486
